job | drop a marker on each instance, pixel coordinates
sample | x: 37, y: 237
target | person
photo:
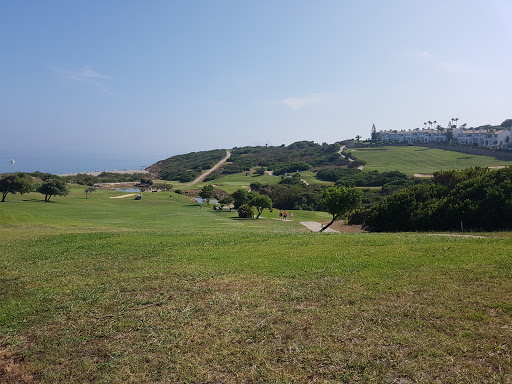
x: 280, y: 215
x: 285, y: 214
x: 291, y: 216
x: 201, y: 205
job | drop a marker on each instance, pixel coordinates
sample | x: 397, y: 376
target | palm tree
x: 430, y: 124
x: 357, y: 138
x: 425, y: 125
x: 456, y: 120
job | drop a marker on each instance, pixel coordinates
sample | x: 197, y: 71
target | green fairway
x: 414, y: 159
x: 231, y: 183
x: 159, y: 290
x: 309, y: 177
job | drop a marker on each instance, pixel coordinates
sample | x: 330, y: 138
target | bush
x: 179, y: 191
x: 245, y: 211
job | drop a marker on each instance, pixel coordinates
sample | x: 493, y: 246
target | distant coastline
x: 97, y: 173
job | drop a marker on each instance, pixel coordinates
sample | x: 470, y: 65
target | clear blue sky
x: 109, y: 84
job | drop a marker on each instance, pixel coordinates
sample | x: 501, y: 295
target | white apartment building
x: 482, y: 137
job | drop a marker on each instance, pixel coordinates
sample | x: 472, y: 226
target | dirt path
x: 455, y: 235
x: 205, y: 174
x: 361, y: 167
x: 315, y: 226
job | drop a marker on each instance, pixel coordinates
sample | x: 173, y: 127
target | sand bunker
x: 122, y: 196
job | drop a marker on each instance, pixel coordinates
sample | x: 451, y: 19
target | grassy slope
x: 413, y: 159
x: 406, y: 159
x: 158, y: 290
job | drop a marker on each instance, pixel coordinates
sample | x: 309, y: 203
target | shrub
x: 245, y: 211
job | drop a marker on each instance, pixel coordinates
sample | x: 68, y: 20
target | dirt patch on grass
x: 12, y: 370
x: 340, y: 226
x: 424, y: 175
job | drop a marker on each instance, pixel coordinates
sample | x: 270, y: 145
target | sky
x: 88, y: 85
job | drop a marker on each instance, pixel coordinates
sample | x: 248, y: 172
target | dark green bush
x: 245, y: 211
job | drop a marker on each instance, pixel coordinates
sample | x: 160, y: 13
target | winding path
x: 203, y: 176
x: 361, y: 167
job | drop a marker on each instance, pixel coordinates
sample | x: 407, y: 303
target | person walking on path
x: 280, y: 215
x: 284, y: 215
x: 291, y: 216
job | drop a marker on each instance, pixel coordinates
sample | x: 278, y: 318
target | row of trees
x: 339, y: 201
x: 476, y: 198
x: 104, y: 177
x: 23, y: 183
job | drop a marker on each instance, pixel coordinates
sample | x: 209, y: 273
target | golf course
x: 160, y: 290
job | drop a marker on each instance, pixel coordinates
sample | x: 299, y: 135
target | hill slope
x: 299, y: 156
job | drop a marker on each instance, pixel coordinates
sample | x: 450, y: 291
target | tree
x: 260, y: 171
x: 357, y: 138
x: 374, y: 133
x: 507, y: 123
x: 260, y: 202
x: 255, y: 187
x: 449, y: 134
x: 225, y: 201
x: 207, y: 193
x: 340, y: 201
x: 53, y: 187
x: 15, y: 183
x: 89, y: 190
x: 241, y: 196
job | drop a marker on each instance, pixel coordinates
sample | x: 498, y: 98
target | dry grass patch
x: 260, y: 329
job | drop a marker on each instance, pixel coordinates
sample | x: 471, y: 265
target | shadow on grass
x: 37, y: 201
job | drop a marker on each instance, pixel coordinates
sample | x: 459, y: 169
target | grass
x: 310, y: 178
x: 158, y: 290
x: 414, y: 159
x: 231, y: 183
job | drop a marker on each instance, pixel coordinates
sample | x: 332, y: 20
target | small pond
x: 128, y: 190
x: 201, y: 201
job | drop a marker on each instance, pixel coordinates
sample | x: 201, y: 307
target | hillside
x: 186, y: 167
x: 299, y: 156
x: 308, y: 158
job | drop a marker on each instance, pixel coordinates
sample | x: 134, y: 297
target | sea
x: 70, y: 164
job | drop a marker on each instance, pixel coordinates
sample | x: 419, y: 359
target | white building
x: 481, y: 137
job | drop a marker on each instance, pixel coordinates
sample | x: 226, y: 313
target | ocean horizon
x: 71, y: 164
